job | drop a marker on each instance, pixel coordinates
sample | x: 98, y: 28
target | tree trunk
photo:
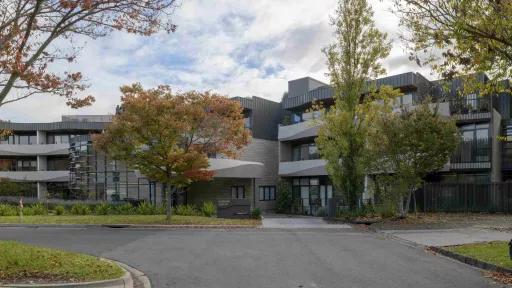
x: 169, y: 203
x: 401, y: 206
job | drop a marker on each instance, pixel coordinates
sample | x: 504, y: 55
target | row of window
x: 18, y: 164
x: 297, y: 117
x: 266, y: 193
x: 19, y: 139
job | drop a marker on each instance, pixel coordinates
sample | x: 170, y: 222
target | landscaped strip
x: 128, y: 219
x: 22, y: 263
x: 495, y: 253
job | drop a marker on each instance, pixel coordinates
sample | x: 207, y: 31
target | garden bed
x: 126, y: 219
x: 27, y: 264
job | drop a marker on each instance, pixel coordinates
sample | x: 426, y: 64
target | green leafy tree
x: 168, y: 136
x: 353, y: 59
x: 408, y: 145
x: 284, y: 197
x: 459, y: 37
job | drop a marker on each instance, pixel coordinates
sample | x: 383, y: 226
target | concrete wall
x: 217, y: 189
x: 266, y: 152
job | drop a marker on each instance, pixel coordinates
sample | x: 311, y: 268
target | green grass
x: 20, y: 263
x: 125, y: 219
x: 491, y: 252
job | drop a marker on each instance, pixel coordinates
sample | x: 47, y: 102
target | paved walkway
x: 298, y: 222
x: 447, y: 237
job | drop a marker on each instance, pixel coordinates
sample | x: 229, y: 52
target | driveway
x: 262, y: 257
x: 447, y: 237
x: 299, y: 222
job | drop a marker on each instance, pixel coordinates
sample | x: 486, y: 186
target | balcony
x: 303, y: 168
x: 471, y: 108
x: 35, y: 176
x: 475, y: 154
x: 32, y: 150
x: 298, y: 131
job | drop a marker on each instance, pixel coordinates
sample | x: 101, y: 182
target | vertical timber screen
x: 465, y: 197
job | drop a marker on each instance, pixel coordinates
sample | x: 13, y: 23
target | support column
x: 42, y: 165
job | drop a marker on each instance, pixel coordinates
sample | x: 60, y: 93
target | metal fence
x: 465, y: 197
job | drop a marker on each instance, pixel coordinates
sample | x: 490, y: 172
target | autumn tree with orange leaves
x: 30, y: 28
x: 168, y: 136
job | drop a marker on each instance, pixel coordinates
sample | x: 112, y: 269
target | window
x: 58, y: 163
x: 57, y: 139
x: 247, y: 119
x: 237, y: 192
x: 305, y: 152
x: 267, y: 193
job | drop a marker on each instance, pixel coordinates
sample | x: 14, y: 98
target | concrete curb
x: 138, y: 275
x: 126, y: 281
x: 471, y: 261
x: 130, y: 226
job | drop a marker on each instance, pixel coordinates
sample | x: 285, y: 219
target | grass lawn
x: 492, y: 252
x: 125, y: 219
x: 21, y: 263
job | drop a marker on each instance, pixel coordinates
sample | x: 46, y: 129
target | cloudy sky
x: 235, y: 47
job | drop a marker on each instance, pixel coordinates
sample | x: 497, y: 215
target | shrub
x: 8, y: 210
x: 321, y: 212
x: 208, y: 209
x: 35, y: 209
x: 59, y: 210
x: 284, y: 197
x: 161, y: 209
x: 256, y: 213
x: 103, y: 209
x: 145, y: 208
x: 124, y: 209
x: 386, y: 209
x: 185, y: 210
x: 80, y: 209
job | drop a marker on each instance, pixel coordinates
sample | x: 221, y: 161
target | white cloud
x: 237, y: 48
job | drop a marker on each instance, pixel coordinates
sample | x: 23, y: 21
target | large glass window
x: 307, y: 151
x: 58, y: 163
x: 311, y: 193
x: 475, y: 144
x: 18, y: 164
x: 267, y: 193
x: 57, y: 138
x: 237, y: 192
x: 25, y: 139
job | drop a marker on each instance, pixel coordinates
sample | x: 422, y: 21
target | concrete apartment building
x: 283, y: 147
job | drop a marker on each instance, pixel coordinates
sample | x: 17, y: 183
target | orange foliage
x: 168, y: 136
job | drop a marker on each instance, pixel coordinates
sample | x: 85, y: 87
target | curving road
x: 261, y: 257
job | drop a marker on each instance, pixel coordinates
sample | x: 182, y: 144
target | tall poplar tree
x: 353, y: 59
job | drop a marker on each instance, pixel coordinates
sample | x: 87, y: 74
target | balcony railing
x: 475, y: 151
x: 470, y: 105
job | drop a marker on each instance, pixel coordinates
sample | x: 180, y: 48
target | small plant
x: 185, y: 210
x: 256, y: 213
x: 124, y: 209
x: 35, y: 209
x: 145, y: 208
x: 8, y: 210
x: 80, y: 209
x: 103, y: 209
x: 59, y: 210
x: 160, y: 209
x: 208, y: 209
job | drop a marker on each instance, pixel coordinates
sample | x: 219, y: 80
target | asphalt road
x: 261, y: 257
